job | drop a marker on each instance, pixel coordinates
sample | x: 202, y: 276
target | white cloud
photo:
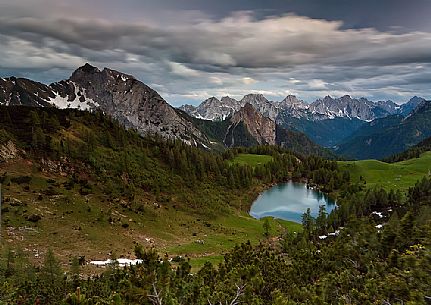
x: 181, y: 70
x: 317, y: 84
x: 248, y: 80
x: 200, y: 57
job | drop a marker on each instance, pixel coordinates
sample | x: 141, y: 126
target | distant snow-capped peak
x: 325, y: 108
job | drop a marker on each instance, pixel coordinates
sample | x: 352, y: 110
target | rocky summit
x: 117, y: 94
x: 261, y: 128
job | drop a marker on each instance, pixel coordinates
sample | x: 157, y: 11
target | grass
x: 400, y: 175
x: 251, y: 159
x: 92, y: 225
x: 228, y: 232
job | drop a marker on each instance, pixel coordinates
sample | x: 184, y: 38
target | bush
x: 21, y: 180
x: 34, y: 217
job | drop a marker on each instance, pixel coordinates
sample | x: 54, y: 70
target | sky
x: 190, y: 50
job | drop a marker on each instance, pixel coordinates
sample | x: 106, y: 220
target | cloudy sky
x: 189, y: 50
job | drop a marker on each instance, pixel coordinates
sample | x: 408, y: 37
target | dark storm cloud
x: 193, y: 49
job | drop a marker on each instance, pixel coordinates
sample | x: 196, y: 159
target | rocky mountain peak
x: 292, y: 101
x: 255, y: 97
x: 228, y: 100
x: 86, y: 69
x: 262, y: 129
x: 411, y: 105
x: 212, y: 100
x: 261, y: 104
x: 126, y: 99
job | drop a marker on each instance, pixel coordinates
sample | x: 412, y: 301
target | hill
x: 79, y: 180
x: 398, y: 176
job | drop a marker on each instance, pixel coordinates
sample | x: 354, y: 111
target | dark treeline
x: 382, y: 260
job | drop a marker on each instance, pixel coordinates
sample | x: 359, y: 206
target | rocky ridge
x: 321, y: 109
x: 120, y: 95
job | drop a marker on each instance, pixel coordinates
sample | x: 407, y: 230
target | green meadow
x: 400, y: 175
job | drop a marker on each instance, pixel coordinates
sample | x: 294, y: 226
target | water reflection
x: 289, y: 201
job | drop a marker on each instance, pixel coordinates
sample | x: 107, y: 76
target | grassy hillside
x: 83, y: 185
x: 251, y: 159
x: 400, y: 175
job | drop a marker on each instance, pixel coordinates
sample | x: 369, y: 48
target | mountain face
x: 261, y: 128
x: 213, y: 109
x: 20, y: 91
x: 389, y: 106
x: 411, y: 105
x: 248, y: 127
x: 261, y: 104
x: 387, y: 136
x: 345, y: 106
x: 326, y: 133
x: 121, y: 96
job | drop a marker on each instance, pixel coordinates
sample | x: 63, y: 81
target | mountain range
x: 384, y: 137
x: 347, y: 125
x: 321, y: 109
x: 354, y: 128
x: 137, y: 106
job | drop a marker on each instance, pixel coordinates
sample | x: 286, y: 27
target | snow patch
x: 122, y: 262
x: 378, y: 214
x: 64, y: 103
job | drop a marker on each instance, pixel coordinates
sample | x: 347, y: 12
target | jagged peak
x: 254, y: 94
x: 87, y: 68
x: 328, y: 97
x: 211, y: 99
x: 416, y: 99
x: 227, y: 97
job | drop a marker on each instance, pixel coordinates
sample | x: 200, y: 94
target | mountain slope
x: 327, y: 132
x: 261, y: 128
x: 412, y: 104
x: 326, y: 121
x: 81, y: 177
x: 128, y: 100
x: 248, y: 127
x: 388, y: 136
x: 413, y: 152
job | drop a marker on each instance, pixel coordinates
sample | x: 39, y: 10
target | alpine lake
x: 289, y: 201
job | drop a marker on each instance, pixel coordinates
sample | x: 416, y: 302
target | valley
x: 191, y: 152
x: 78, y: 186
x: 103, y: 187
